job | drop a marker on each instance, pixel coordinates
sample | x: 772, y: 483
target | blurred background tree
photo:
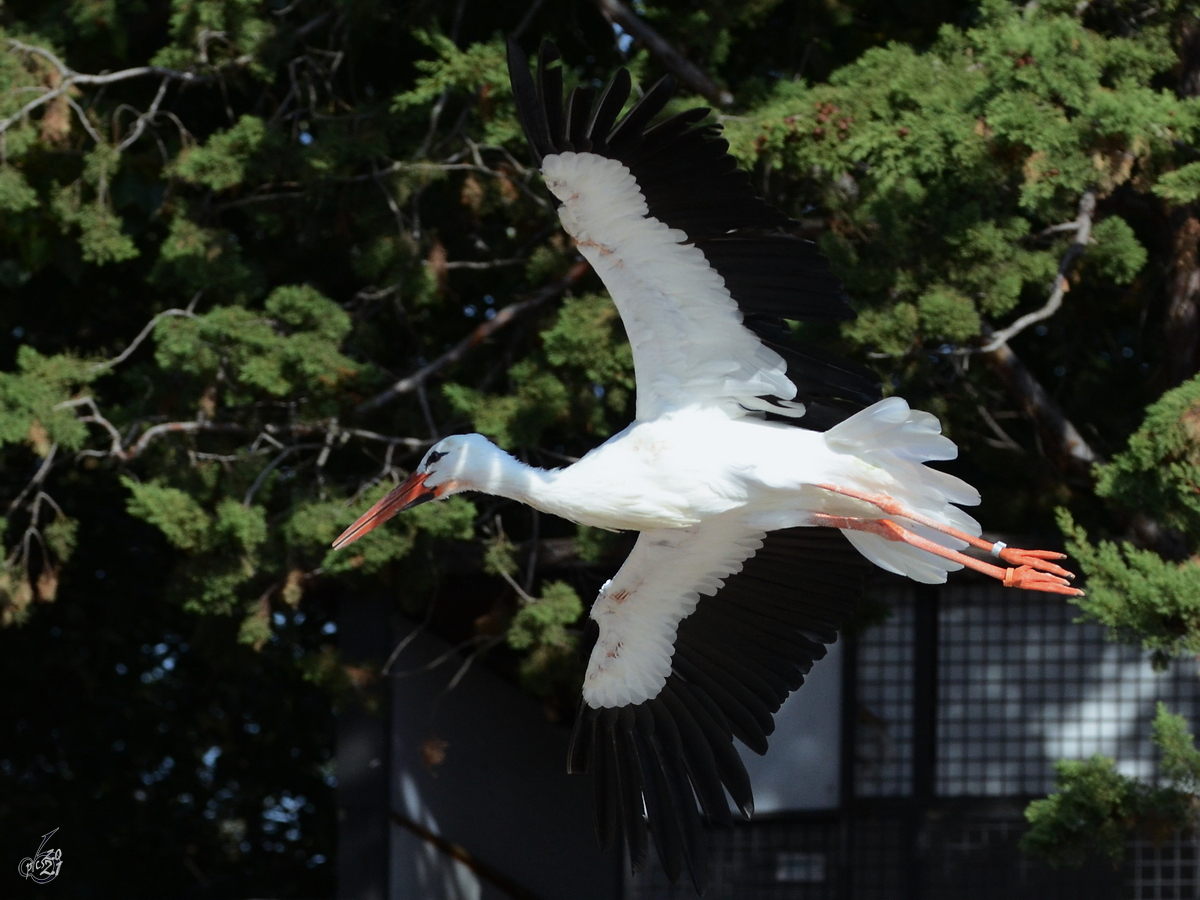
x: 257, y: 256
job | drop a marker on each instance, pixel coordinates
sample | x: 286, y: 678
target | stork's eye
x: 434, y: 457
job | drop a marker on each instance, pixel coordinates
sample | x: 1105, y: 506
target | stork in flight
x: 757, y: 471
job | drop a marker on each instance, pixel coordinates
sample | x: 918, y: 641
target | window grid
x: 1021, y: 685
x: 1162, y: 871
x: 766, y: 860
x: 884, y: 710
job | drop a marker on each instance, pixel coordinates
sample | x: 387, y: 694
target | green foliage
x: 480, y: 69
x: 1087, y: 814
x: 540, y: 629
x: 538, y: 402
x: 32, y: 398
x: 1116, y: 252
x: 1181, y: 185
x: 593, y: 544
x: 1158, y: 473
x: 1180, y: 758
x: 293, y: 346
x: 214, y: 32
x: 101, y: 238
x: 452, y: 519
x: 946, y: 313
x: 890, y: 330
x: 61, y: 536
x: 1141, y: 597
x: 195, y: 258
x: 1096, y: 809
x: 221, y: 162
x: 1134, y: 591
x: 175, y: 513
x: 584, y: 378
x: 937, y: 166
x: 1137, y: 593
x: 255, y: 629
x: 499, y: 555
x: 15, y: 193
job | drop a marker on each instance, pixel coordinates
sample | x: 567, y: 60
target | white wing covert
x: 639, y: 610
x: 703, y: 272
x: 704, y: 631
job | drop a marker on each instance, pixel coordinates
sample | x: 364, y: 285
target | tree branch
x: 684, y: 70
x: 509, y: 314
x: 36, y: 481
x: 1083, y: 233
x: 1069, y: 449
x: 143, y: 334
x: 70, y: 78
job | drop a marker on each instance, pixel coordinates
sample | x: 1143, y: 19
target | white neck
x: 493, y: 471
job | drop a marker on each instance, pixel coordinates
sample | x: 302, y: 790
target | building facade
x: 900, y: 771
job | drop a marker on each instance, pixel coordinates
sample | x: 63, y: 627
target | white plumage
x: 737, y: 580
x: 689, y: 346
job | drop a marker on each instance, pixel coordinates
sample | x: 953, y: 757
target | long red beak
x: 406, y: 496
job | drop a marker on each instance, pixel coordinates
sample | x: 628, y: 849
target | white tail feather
x: 897, y: 441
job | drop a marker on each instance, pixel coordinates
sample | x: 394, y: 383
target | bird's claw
x: 1031, y: 579
x: 1037, y: 559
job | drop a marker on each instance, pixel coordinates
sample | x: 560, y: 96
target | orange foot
x: 1036, y: 559
x: 1030, y: 579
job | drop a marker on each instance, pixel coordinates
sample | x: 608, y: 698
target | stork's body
x: 685, y: 467
x: 758, y: 471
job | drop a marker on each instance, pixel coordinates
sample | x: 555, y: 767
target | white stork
x: 749, y: 458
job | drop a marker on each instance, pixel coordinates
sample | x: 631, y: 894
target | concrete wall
x: 501, y: 793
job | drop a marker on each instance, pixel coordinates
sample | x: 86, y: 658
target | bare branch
x: 140, y: 124
x: 493, y: 641
x: 71, y: 78
x: 1067, y: 446
x: 472, y: 340
x: 271, y: 466
x: 114, y: 435
x: 687, y: 72
x: 487, y: 264
x: 151, y: 434
x: 87, y: 125
x: 36, y: 481
x: 1002, y: 440
x: 142, y: 335
x: 1083, y: 234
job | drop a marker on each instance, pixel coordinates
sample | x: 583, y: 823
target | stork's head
x: 461, y: 462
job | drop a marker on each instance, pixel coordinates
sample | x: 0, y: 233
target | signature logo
x: 44, y: 865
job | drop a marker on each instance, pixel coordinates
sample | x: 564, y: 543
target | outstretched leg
x: 1041, y: 560
x: 1025, y: 576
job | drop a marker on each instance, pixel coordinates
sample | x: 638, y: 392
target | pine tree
x: 259, y: 265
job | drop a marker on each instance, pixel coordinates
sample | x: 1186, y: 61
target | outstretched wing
x: 702, y: 271
x: 703, y: 633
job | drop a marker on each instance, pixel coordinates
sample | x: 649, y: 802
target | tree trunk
x: 1061, y: 439
x: 1182, y: 325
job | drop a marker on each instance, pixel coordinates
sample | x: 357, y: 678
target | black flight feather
x: 579, y: 108
x: 691, y: 183
x: 740, y: 653
x: 550, y: 92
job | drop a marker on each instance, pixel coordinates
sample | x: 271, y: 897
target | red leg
x: 1041, y: 560
x: 1024, y: 576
